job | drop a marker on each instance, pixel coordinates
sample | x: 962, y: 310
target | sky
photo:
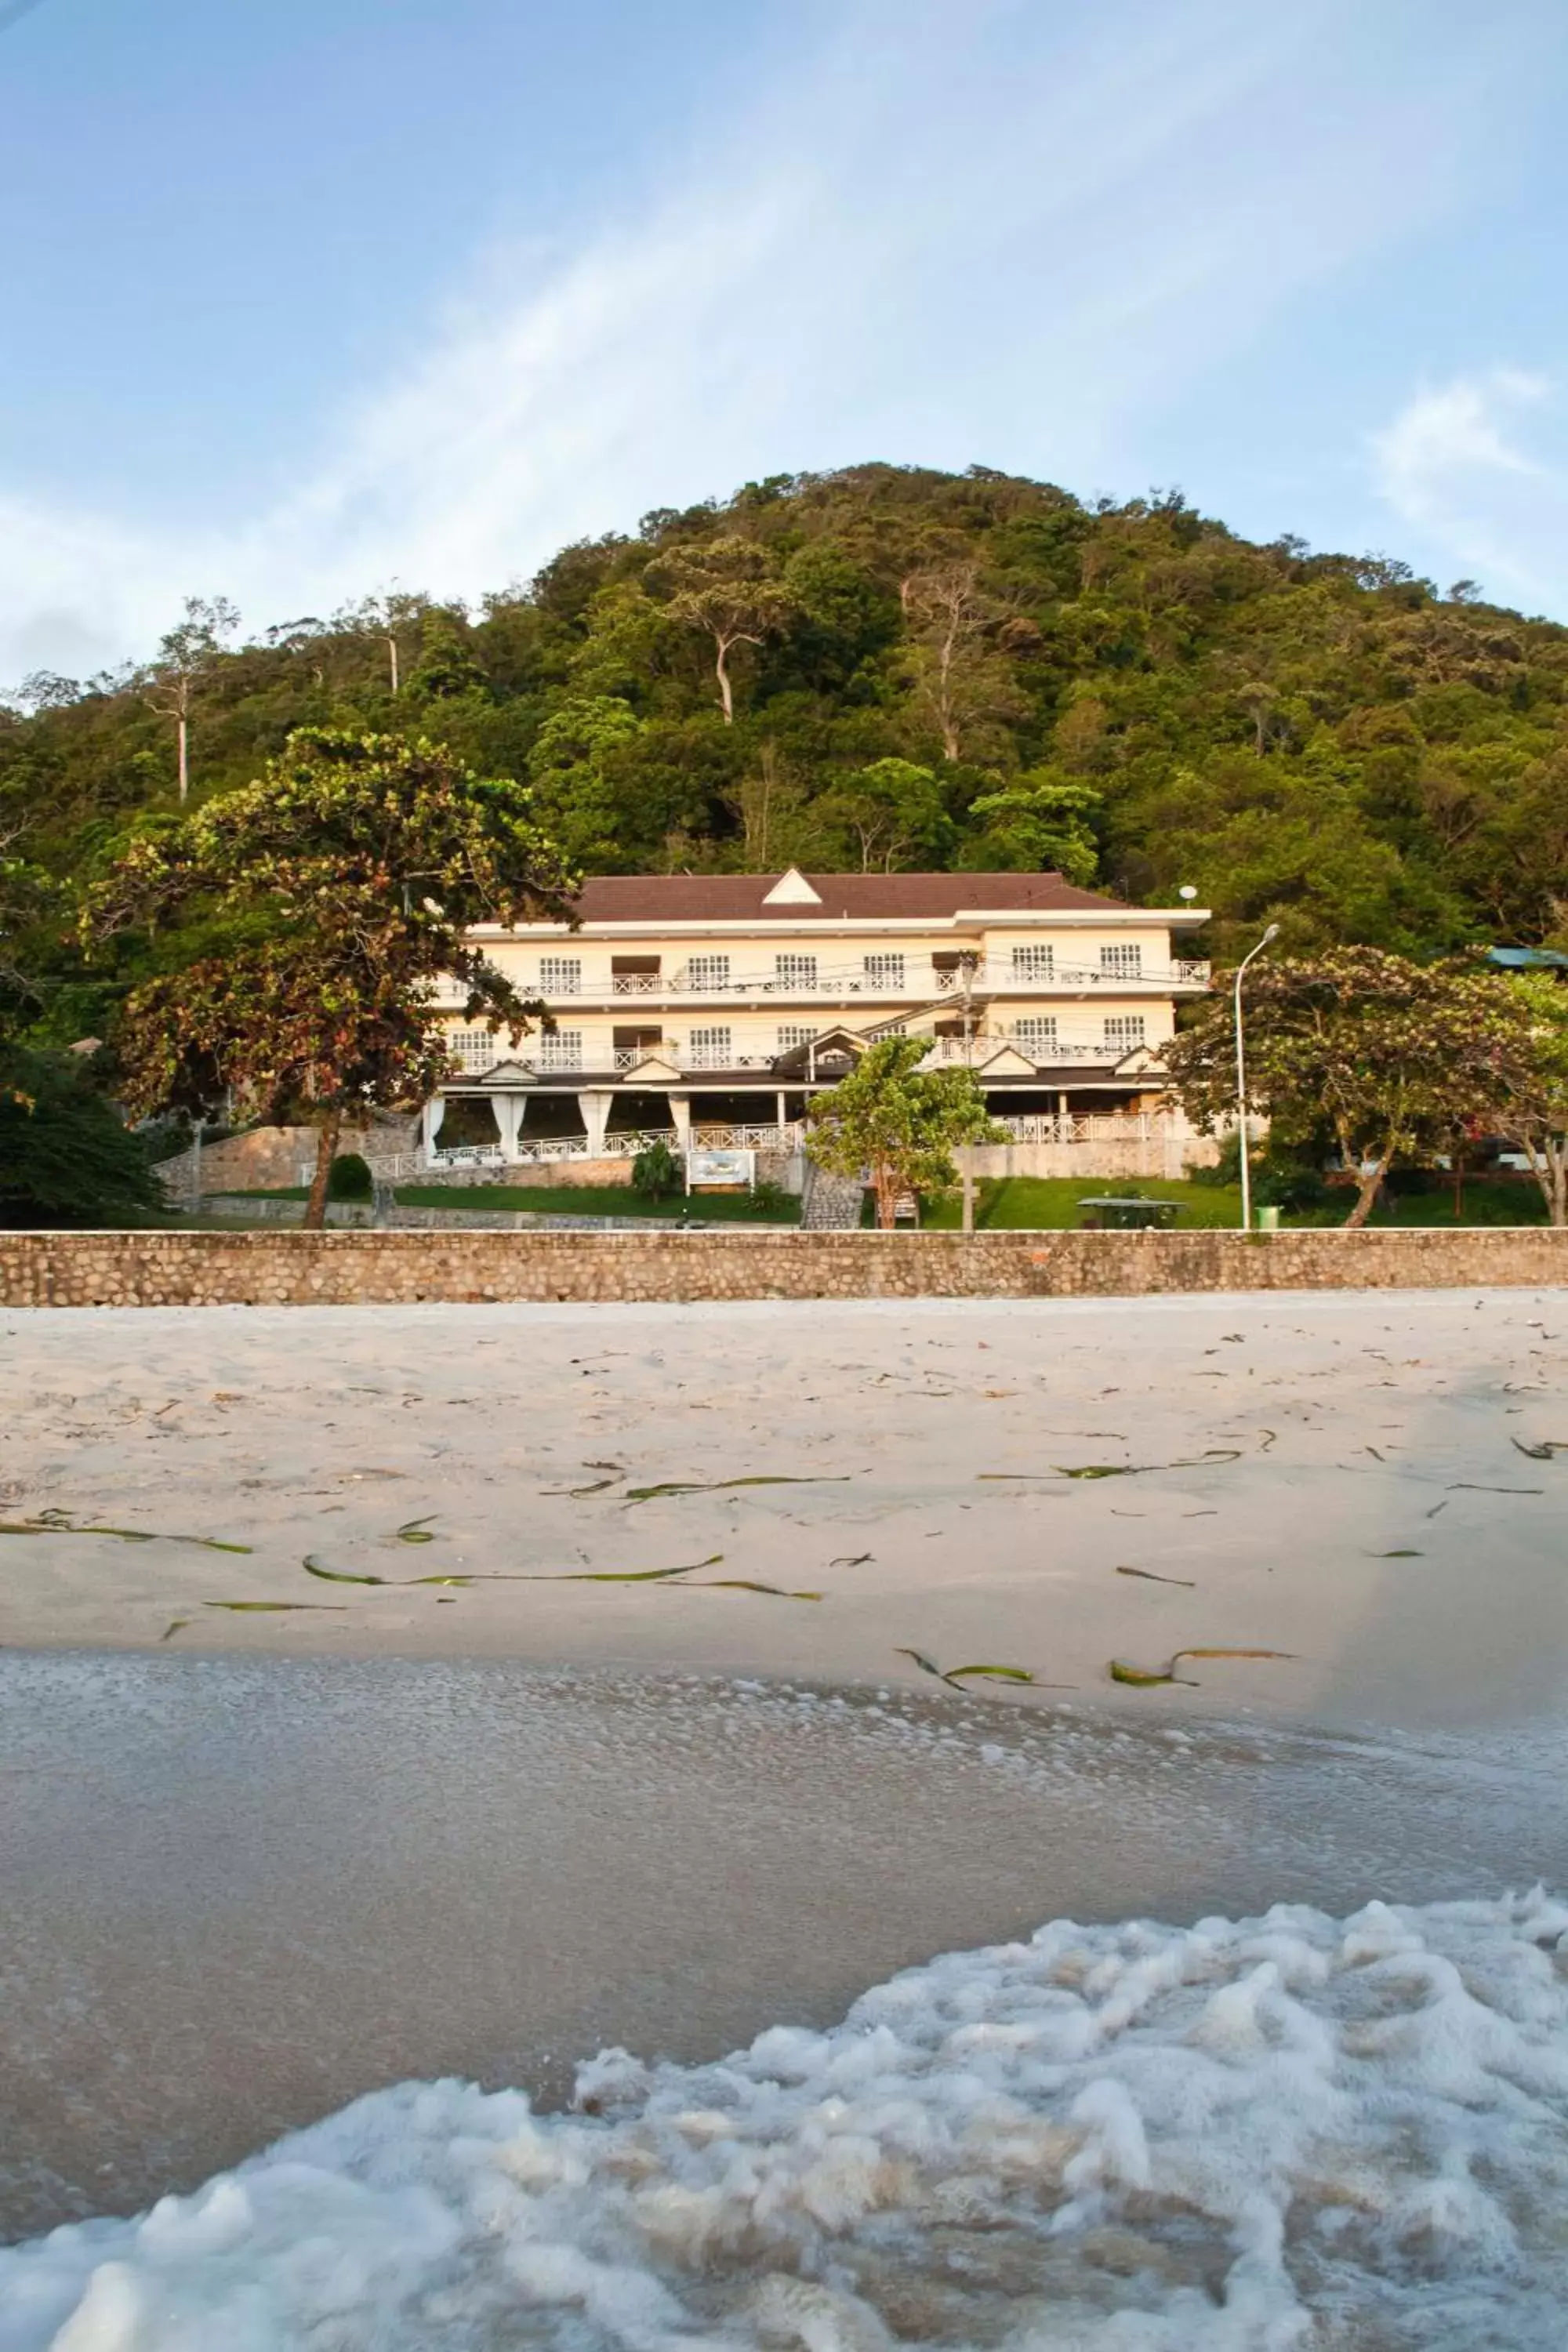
x: 309, y: 299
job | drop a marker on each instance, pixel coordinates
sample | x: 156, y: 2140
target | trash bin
x: 1269, y: 1221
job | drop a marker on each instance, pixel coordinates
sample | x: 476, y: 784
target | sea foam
x: 1255, y: 2135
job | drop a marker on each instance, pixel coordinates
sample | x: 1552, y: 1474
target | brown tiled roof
x: 738, y: 897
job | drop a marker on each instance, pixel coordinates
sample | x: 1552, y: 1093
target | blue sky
x: 308, y: 298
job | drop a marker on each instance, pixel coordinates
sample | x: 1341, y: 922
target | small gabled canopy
x: 792, y: 889
x: 1006, y: 1062
x: 507, y: 1074
x: 1143, y: 1061
x: 652, y: 1070
x: 835, y: 1048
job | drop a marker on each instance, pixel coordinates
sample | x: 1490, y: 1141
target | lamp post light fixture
x: 1271, y: 933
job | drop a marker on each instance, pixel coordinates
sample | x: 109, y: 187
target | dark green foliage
x: 924, y: 670
x: 350, y: 1179
x: 64, y: 1157
x: 657, y: 1173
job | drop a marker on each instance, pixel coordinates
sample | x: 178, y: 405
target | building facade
x: 716, y: 1005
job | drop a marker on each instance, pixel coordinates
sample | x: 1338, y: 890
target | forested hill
x: 925, y: 669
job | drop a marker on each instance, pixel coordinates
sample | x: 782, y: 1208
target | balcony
x: 1067, y: 1053
x: 1074, y: 979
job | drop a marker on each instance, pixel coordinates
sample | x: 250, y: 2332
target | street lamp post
x: 1271, y: 933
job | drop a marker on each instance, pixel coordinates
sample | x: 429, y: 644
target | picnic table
x: 1130, y: 1213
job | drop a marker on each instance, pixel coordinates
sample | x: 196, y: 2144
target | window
x: 791, y: 1035
x: 795, y: 972
x: 560, y: 1050
x: 559, y: 975
x: 708, y: 971
x: 1036, y: 1037
x: 885, y: 970
x: 710, y: 1050
x: 1122, y: 962
x: 1124, y: 1032
x: 475, y: 1048
x: 1034, y: 963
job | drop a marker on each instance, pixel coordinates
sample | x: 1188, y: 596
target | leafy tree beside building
x: 897, y: 1124
x: 1392, y: 1059
x: 291, y: 935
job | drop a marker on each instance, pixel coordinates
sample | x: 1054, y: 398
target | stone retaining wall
x: 174, y: 1269
x: 263, y: 1156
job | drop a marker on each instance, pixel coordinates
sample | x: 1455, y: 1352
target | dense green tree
x: 1038, y: 822
x: 351, y: 870
x: 66, y: 1158
x: 898, y: 1124
x: 1531, y: 1106
x: 1394, y: 1059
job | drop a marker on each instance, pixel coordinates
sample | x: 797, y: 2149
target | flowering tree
x: 315, y: 911
x: 1393, y: 1057
x: 898, y: 1121
x: 1532, y: 1106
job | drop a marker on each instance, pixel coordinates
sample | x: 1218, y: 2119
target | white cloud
x: 1453, y: 468
x: 992, y: 232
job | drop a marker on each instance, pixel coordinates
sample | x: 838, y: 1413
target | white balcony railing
x: 1067, y: 1053
x: 920, y: 979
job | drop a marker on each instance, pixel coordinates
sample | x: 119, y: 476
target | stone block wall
x: 361, y: 1268
x: 276, y: 1156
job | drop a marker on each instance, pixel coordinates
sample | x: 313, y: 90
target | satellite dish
x: 1187, y: 892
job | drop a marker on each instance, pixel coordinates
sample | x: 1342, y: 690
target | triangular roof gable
x: 653, y: 1066
x: 506, y: 1073
x: 1141, y: 1059
x: 792, y: 889
x: 836, y: 1040
x: 1006, y: 1063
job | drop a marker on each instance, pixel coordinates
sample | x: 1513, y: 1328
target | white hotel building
x: 716, y: 1005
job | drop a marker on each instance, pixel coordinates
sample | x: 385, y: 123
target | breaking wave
x: 1254, y: 2136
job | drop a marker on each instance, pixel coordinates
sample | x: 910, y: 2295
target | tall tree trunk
x: 1549, y: 1166
x: 185, y: 762
x: 887, y: 1188
x: 332, y: 1127
x: 1366, y: 1194
x: 726, y: 698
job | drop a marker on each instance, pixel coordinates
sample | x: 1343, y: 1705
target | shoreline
x: 274, y: 1885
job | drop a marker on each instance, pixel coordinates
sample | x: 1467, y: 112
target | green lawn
x: 595, y: 1201
x: 1051, y: 1205
x: 568, y: 1200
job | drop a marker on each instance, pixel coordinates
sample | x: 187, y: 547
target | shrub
x: 657, y: 1172
x: 351, y: 1178
x: 64, y: 1157
x: 770, y: 1197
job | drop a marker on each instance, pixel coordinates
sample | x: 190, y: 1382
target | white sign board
x: 712, y: 1167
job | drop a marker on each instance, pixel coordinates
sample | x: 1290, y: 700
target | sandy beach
x: 274, y: 1860
x: 1046, y: 1486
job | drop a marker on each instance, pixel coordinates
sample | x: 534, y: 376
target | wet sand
x: 240, y: 1892
x: 280, y: 1859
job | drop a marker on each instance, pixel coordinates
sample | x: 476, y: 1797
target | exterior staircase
x: 830, y: 1203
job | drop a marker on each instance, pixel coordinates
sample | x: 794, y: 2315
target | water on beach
x: 1243, y: 2136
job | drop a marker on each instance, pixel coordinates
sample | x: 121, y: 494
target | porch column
x: 429, y: 1124
x: 681, y: 1119
x: 782, y: 1120
x: 595, y: 1109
